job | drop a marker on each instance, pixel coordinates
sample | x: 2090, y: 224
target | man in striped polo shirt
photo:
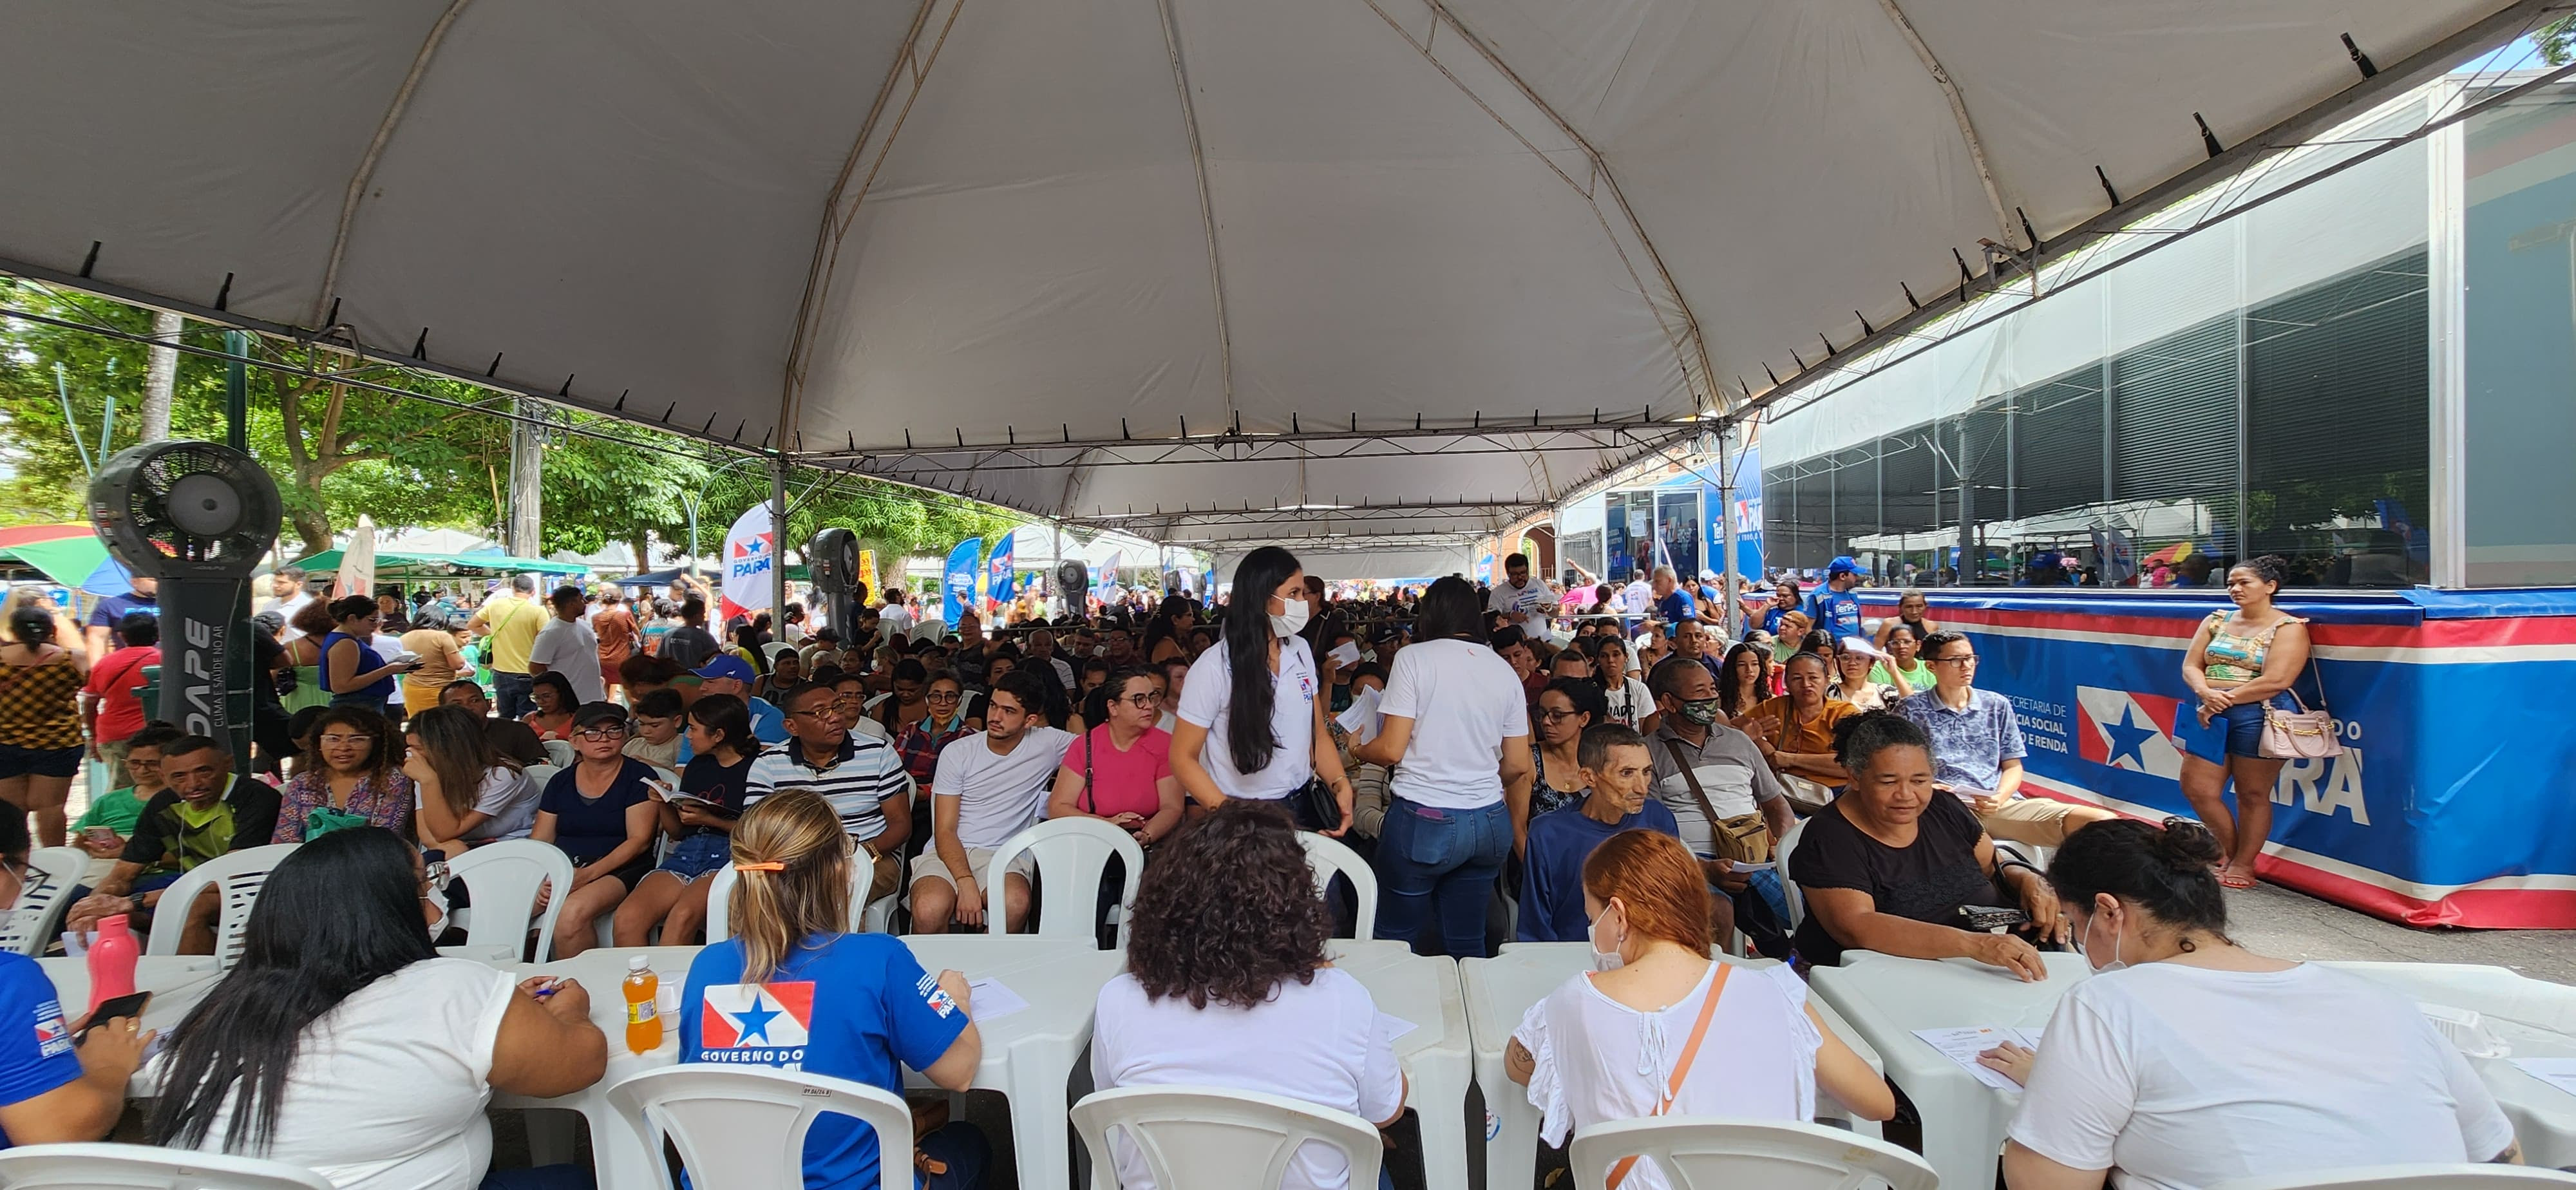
x: 862, y: 776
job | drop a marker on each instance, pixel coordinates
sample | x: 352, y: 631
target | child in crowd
x: 657, y: 729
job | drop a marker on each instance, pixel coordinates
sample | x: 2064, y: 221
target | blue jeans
x: 511, y: 692
x: 1433, y: 861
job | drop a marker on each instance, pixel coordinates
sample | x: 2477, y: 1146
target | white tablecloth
x: 1028, y: 1055
x: 1424, y: 991
x: 1500, y: 989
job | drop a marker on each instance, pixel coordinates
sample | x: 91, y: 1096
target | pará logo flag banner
x: 1105, y: 583
x: 2447, y: 807
x: 998, y: 569
x: 957, y: 579
x: 750, y: 556
x: 1484, y: 568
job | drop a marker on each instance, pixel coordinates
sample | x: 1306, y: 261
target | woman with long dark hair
x: 343, y: 1043
x: 1167, y: 634
x: 352, y: 670
x: 553, y: 696
x: 359, y: 779
x: 1255, y: 728
x: 1225, y: 958
x: 1744, y: 680
x: 674, y: 894
x: 470, y: 792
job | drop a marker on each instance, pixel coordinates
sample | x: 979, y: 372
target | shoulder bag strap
x: 1681, y: 1067
x: 1087, y: 793
x: 1692, y: 776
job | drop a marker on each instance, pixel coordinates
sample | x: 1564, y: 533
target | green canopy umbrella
x: 397, y: 564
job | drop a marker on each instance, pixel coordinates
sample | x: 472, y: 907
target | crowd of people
x: 1507, y: 767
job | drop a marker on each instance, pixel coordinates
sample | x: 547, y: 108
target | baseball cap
x: 1708, y: 576
x: 598, y: 712
x: 727, y: 666
x: 1842, y: 565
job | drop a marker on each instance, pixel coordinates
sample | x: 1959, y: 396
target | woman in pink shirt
x: 1121, y: 770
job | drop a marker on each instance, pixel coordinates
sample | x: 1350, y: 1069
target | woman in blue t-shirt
x: 791, y: 989
x: 601, y: 812
x: 53, y: 1088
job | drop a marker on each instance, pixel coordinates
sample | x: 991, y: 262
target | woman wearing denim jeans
x: 1457, y: 735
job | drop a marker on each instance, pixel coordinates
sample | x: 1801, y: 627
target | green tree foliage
x: 2557, y: 41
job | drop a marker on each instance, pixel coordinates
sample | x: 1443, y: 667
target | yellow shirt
x: 514, y: 623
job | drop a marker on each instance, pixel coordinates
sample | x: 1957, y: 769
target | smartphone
x: 117, y: 1008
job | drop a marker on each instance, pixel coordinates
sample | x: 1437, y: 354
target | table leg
x: 1440, y: 1106
x: 1961, y: 1139
x: 1040, y: 1130
x: 1511, y: 1157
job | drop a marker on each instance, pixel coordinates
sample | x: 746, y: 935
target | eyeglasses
x: 340, y: 738
x: 949, y: 696
x: 1146, y: 700
x: 1959, y: 659
x: 597, y: 734
x: 816, y: 713
x: 1557, y: 716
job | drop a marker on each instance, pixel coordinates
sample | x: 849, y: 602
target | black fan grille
x: 147, y: 505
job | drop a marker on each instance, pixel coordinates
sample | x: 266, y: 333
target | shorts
x: 2238, y: 732
x: 928, y: 866
x: 39, y: 762
x: 2037, y: 821
x: 698, y: 855
x: 628, y: 876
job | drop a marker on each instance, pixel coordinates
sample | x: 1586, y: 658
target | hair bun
x: 2185, y: 845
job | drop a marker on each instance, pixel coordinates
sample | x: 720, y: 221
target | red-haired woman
x: 1660, y: 1029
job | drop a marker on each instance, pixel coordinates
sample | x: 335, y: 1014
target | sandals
x: 2231, y: 878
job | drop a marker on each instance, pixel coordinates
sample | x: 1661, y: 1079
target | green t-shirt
x: 116, y: 809
x: 1917, y: 679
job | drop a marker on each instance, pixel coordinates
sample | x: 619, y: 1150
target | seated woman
x: 1795, y: 731
x: 556, y: 701
x: 470, y: 794
x: 360, y: 779
x: 1121, y: 772
x: 341, y: 1042
x: 2191, y: 1061
x: 1660, y: 1029
x: 674, y: 895
x: 602, y: 814
x: 869, y: 1004
x: 1852, y: 682
x: 1888, y: 865
x: 53, y: 1088
x: 1565, y: 708
x: 1225, y: 957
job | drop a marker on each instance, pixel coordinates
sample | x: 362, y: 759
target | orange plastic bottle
x: 643, y: 1014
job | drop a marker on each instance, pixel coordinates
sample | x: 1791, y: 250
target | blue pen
x: 549, y: 989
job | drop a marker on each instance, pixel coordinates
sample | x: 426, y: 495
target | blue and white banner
x: 997, y: 570
x: 750, y: 551
x: 957, y: 579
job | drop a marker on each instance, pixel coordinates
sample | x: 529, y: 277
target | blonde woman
x: 792, y: 989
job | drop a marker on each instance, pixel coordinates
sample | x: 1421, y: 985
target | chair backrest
x: 720, y: 899
x: 52, y: 873
x: 1706, y: 1153
x: 1215, y: 1136
x: 1329, y: 857
x: 742, y: 1127
x: 542, y: 775
x: 1072, y: 856
x: 2407, y: 1177
x: 1789, y: 888
x: 145, y: 1167
x: 559, y: 753
x: 238, y: 878
x: 501, y: 879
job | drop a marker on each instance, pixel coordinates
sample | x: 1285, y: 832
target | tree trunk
x: 160, y: 376
x: 527, y: 476
x: 313, y: 527
x: 642, y: 545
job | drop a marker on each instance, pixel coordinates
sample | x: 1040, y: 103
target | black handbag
x: 1316, y: 804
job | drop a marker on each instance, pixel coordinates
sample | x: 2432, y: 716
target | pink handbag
x: 2301, y: 734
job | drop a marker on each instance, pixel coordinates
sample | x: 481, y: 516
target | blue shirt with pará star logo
x: 36, y: 1054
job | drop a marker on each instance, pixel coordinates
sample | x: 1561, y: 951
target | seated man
x: 1620, y: 773
x: 987, y: 787
x: 205, y: 812
x: 1977, y: 750
x: 509, y: 737
x: 109, y: 821
x: 861, y: 776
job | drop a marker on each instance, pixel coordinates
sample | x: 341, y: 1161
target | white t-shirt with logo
x: 1209, y: 692
x: 998, y: 796
x: 2181, y: 1077
x: 428, y: 1029
x: 1464, y: 700
x: 570, y: 648
x: 1636, y: 598
x: 1527, y: 606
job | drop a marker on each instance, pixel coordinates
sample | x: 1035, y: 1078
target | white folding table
x: 177, y: 983
x: 1499, y: 990
x: 1887, y: 998
x: 1028, y: 1055
x: 1423, y: 990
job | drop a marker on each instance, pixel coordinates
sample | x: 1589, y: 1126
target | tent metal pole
x: 778, y: 539
x: 1731, y: 586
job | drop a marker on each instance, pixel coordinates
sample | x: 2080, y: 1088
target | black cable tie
x: 331, y: 319
x: 854, y: 441
x: 621, y: 401
x: 1068, y: 431
x: 2107, y: 191
x: 1865, y: 328
x: 1292, y: 421
x: 1964, y: 275
x: 1775, y: 376
x: 907, y: 439
x: 711, y: 425
x: 495, y: 369
x: 2360, y: 60
x: 1910, y: 299
x: 961, y: 436
x: 738, y: 428
x: 1799, y: 359
x: 420, y: 346
x: 566, y: 390
x: 1012, y: 433
x: 224, y: 296
x: 2026, y: 232
x: 90, y: 261
x: 764, y: 437
x: 2208, y: 139
x: 666, y: 414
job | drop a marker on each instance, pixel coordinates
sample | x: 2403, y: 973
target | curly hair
x: 1229, y: 911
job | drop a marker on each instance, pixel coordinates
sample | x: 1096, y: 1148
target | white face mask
x: 2081, y: 948
x: 1602, y: 960
x: 1287, y: 623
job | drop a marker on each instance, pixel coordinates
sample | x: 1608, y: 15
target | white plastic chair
x: 52, y: 874
x: 1329, y: 856
x: 1215, y: 1136
x: 559, y: 753
x: 742, y: 1127
x: 145, y: 1167
x: 542, y: 774
x: 1705, y: 1153
x: 875, y: 918
x: 1072, y: 854
x: 2407, y: 1177
x: 501, y: 880
x: 239, y: 876
x: 1789, y: 888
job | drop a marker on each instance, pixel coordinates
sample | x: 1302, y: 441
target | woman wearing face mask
x: 1256, y: 729
x: 1660, y: 1029
x: 2192, y: 1061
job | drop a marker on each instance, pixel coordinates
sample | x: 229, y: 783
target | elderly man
x: 203, y: 811
x: 1673, y: 605
x: 1042, y: 650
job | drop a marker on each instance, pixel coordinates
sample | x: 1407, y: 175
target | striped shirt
x: 865, y: 773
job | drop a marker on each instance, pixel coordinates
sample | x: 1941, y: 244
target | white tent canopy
x: 1440, y: 262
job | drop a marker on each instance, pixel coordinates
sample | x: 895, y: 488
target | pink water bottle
x: 111, y: 961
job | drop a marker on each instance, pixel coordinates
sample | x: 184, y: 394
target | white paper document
x: 1392, y: 1028
x: 2557, y: 1072
x: 1963, y: 1045
x: 1345, y: 654
x: 991, y: 999
x: 1362, y: 719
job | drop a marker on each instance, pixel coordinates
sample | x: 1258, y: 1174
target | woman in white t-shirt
x: 1456, y: 733
x: 1225, y: 958
x: 470, y: 793
x: 1630, y: 703
x: 341, y: 1042
x: 2190, y: 1060
x: 1258, y: 732
x: 1661, y: 1029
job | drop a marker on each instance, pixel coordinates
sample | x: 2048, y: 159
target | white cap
x: 635, y: 962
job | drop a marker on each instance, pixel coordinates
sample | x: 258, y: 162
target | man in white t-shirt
x: 287, y: 596
x: 567, y: 645
x: 1637, y: 598
x: 896, y: 619
x: 1524, y: 599
x: 987, y: 787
